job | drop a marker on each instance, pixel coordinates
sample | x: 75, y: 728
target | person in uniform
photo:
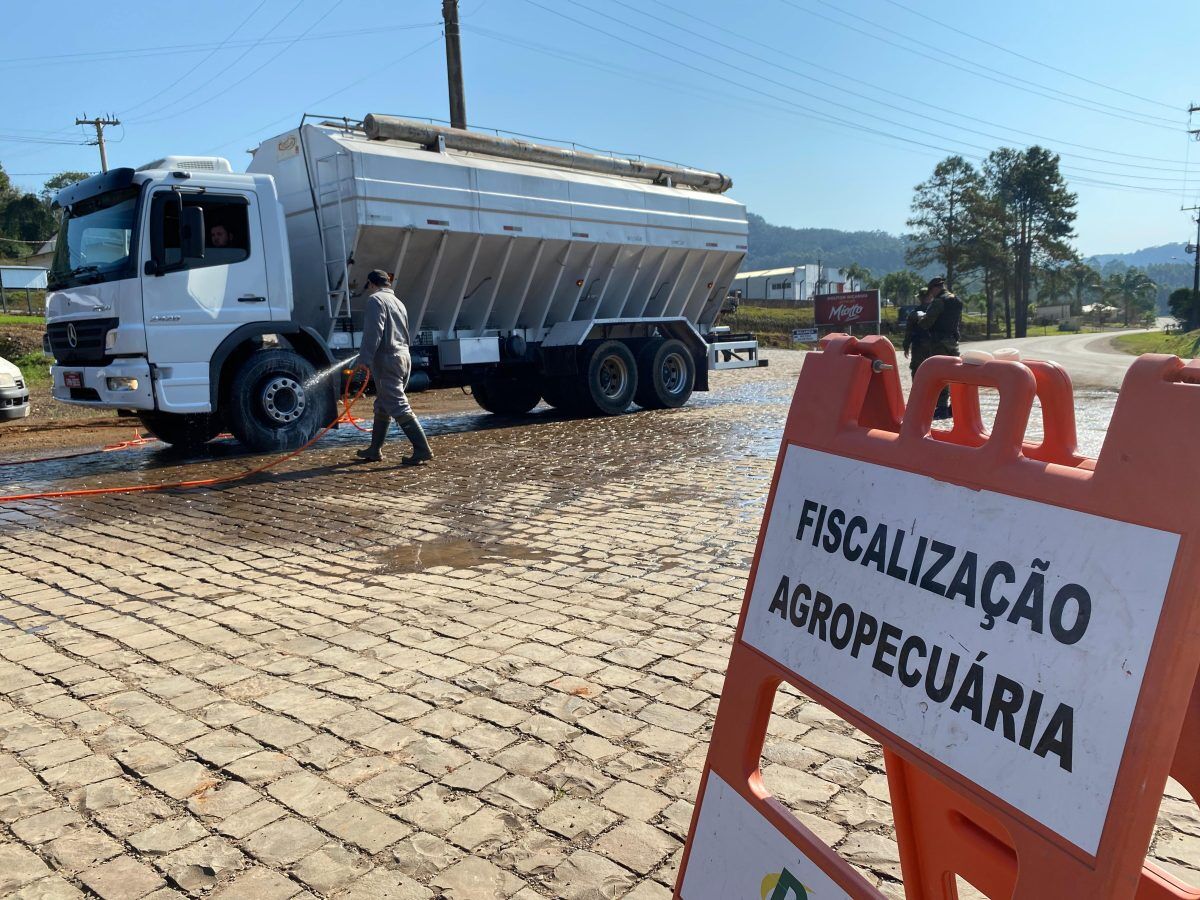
x: 385, y: 352
x: 941, y: 322
x: 916, y: 341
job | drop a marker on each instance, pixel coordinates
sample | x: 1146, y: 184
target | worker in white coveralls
x: 385, y: 352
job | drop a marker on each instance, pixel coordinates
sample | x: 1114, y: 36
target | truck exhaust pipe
x: 392, y: 128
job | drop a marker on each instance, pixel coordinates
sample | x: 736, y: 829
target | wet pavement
x: 489, y: 677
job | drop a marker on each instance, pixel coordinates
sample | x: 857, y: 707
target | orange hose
x: 344, y: 416
x: 137, y: 440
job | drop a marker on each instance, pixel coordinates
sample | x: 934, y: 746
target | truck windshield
x: 96, y: 240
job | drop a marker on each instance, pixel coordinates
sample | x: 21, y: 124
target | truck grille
x: 89, y: 341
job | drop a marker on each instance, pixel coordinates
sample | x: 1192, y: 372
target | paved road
x: 493, y: 677
x: 1090, y: 359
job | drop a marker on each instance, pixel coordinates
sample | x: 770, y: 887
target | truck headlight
x: 7, y: 381
x: 122, y: 383
x: 110, y: 339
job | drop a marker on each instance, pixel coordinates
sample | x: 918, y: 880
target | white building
x: 1054, y: 312
x: 791, y: 285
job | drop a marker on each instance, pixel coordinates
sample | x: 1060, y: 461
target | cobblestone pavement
x: 491, y: 677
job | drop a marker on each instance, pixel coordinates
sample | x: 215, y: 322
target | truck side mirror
x: 191, y: 232
x: 163, y: 202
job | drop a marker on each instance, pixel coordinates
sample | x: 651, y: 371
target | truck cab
x: 170, y: 294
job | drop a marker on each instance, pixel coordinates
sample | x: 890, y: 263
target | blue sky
x: 826, y: 113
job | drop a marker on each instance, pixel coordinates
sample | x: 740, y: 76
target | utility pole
x: 99, y: 123
x: 454, y: 72
x: 1194, y: 249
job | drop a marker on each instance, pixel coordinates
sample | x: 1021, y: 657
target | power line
x: 101, y: 56
x: 772, y: 63
x: 601, y: 65
x: 641, y: 77
x: 34, y: 131
x: 1031, y: 59
x: 822, y: 116
x: 22, y: 139
x: 148, y: 118
x: 844, y: 106
x: 962, y: 60
x: 996, y: 75
x: 217, y: 49
x: 330, y: 96
x: 859, y: 135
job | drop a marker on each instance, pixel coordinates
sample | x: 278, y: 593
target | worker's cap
x: 379, y: 277
x: 937, y: 282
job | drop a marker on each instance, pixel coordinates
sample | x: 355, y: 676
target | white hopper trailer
x: 528, y: 272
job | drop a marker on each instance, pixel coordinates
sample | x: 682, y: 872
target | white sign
x: 1006, y: 638
x: 804, y: 335
x: 19, y: 277
x: 736, y: 853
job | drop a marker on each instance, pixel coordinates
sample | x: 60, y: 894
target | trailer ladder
x: 330, y: 176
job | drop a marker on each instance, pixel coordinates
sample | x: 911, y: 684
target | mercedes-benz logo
x: 72, y: 337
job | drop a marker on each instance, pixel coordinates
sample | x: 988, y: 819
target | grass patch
x: 35, y: 367
x: 773, y: 326
x: 1185, y: 345
x: 11, y: 319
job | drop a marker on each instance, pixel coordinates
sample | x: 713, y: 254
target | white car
x: 14, y: 394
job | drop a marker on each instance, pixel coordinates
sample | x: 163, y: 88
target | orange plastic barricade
x: 1015, y: 623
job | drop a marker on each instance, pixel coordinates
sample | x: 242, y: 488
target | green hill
x: 777, y: 246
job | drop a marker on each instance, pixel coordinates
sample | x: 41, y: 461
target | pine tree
x: 1038, y: 215
x: 941, y: 216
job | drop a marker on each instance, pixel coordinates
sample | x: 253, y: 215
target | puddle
x: 456, y: 553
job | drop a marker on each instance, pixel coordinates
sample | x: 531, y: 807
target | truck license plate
x: 73, y: 379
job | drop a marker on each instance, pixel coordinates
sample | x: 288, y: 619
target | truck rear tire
x: 183, y: 431
x: 610, y: 380
x: 275, y: 403
x: 666, y: 374
x: 561, y: 394
x: 507, y: 395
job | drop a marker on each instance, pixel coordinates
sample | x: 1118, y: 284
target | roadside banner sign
x: 804, y: 335
x: 1016, y: 624
x: 850, y: 308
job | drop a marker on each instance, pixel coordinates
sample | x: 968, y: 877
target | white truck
x: 207, y: 300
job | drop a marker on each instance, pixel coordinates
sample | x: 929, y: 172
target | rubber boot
x: 943, y: 410
x: 413, y: 431
x: 379, y: 430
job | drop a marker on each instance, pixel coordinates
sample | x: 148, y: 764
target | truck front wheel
x: 186, y: 432
x: 276, y: 401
